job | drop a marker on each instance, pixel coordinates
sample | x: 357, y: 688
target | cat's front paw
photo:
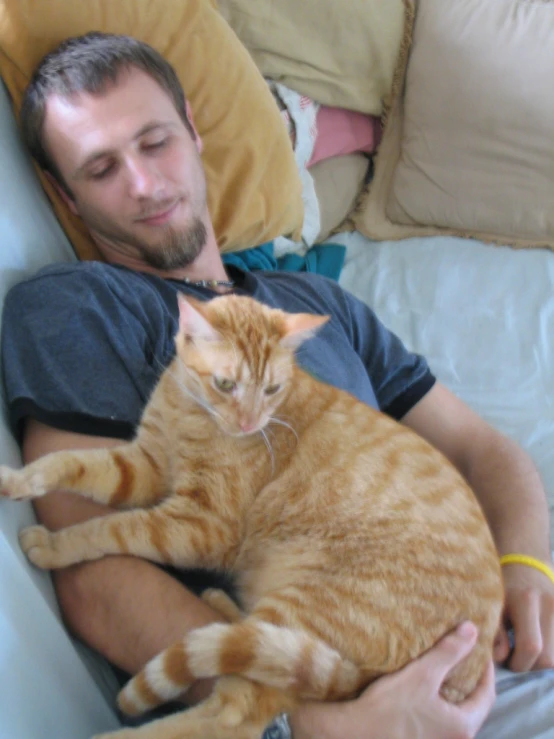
x: 19, y: 484
x: 37, y: 543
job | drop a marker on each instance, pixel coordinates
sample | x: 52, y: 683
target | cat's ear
x: 299, y: 327
x: 192, y: 321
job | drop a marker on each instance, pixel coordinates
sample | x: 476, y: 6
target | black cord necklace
x: 209, y: 283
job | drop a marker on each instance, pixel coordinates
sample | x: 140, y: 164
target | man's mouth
x: 159, y: 217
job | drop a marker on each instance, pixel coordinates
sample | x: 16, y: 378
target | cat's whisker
x: 270, y: 434
x: 178, y: 381
x: 299, y: 353
x: 268, y: 430
x: 279, y: 422
x: 201, y: 402
x: 183, y: 387
x: 269, y: 449
x: 283, y: 417
x: 163, y: 366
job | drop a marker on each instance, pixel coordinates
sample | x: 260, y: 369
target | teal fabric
x: 260, y: 257
x: 322, y: 259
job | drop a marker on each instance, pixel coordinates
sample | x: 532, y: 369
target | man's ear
x: 62, y: 193
x: 197, y: 140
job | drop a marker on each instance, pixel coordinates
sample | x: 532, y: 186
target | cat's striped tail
x: 283, y: 658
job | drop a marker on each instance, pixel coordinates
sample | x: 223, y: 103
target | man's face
x: 133, y: 168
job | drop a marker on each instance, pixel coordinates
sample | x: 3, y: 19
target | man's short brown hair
x: 89, y: 63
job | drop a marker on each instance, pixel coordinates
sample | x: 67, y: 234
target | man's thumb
x: 449, y: 651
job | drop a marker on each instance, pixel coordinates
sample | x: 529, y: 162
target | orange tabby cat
x: 356, y: 545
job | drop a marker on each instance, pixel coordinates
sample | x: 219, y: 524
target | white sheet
x: 484, y: 318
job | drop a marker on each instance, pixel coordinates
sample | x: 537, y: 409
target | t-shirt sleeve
x: 74, y: 356
x: 400, y: 378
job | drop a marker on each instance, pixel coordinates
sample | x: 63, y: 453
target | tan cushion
x: 338, y: 53
x: 468, y: 149
x: 338, y: 183
x: 254, y: 191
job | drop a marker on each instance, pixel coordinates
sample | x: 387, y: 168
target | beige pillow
x: 338, y: 53
x: 468, y: 146
x: 254, y: 190
x: 338, y: 183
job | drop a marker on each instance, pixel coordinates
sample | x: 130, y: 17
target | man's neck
x: 208, y: 265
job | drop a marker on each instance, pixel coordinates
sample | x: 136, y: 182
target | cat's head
x: 238, y: 357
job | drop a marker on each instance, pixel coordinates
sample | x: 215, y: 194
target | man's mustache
x: 156, y: 208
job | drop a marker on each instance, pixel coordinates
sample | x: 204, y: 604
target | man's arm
x: 124, y: 607
x: 511, y: 493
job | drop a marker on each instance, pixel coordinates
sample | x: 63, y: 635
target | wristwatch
x: 279, y: 728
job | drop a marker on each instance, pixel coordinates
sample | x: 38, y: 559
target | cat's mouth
x: 243, y: 430
x: 240, y: 433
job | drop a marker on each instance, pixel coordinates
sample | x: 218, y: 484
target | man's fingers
x: 446, y: 654
x: 477, y: 707
x: 524, y: 614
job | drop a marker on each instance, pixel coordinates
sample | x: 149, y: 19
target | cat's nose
x: 247, y: 426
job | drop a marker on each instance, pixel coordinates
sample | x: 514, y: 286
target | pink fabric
x: 342, y: 131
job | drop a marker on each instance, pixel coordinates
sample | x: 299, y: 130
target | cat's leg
x: 223, y: 604
x: 237, y: 709
x: 128, y: 475
x: 273, y: 655
x: 176, y: 534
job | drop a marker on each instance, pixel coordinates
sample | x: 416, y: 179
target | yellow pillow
x: 254, y: 191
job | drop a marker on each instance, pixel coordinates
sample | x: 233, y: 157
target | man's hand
x: 412, y: 695
x: 407, y: 703
x: 529, y: 610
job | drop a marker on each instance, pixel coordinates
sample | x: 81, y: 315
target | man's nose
x: 144, y: 180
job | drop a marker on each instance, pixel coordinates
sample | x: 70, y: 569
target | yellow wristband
x: 523, y: 559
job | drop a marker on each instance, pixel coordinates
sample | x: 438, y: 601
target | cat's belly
x: 398, y: 606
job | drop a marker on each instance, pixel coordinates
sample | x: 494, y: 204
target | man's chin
x: 177, y: 249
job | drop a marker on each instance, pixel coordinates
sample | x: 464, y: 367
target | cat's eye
x: 225, y: 385
x: 272, y: 389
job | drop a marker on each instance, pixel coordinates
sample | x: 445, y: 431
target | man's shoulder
x: 88, y: 299
x: 68, y: 286
x: 64, y: 278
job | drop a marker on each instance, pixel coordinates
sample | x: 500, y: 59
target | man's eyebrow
x: 152, y: 126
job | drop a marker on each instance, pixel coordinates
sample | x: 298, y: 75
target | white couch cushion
x: 48, y: 691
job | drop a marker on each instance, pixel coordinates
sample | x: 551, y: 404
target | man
x: 84, y: 344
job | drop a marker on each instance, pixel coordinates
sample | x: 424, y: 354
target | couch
x: 482, y: 315
x: 52, y: 686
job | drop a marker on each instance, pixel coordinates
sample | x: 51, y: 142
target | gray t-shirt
x: 84, y: 344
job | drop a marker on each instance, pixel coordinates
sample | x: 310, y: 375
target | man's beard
x: 178, y: 249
